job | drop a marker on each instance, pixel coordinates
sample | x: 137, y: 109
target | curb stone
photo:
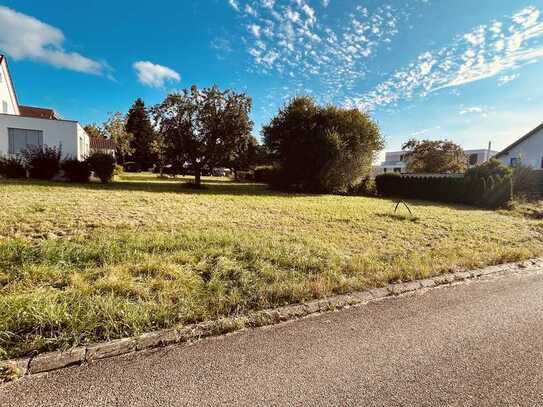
x: 110, y: 349
x: 189, y: 333
x: 56, y: 360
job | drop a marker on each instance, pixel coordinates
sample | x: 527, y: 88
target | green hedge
x: 489, y: 192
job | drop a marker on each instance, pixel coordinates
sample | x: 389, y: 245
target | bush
x: 490, y: 192
x: 118, y: 170
x: 76, y: 171
x: 491, y: 168
x: 12, y: 167
x: 103, y: 165
x: 42, y: 162
x: 366, y: 187
x: 266, y: 174
x: 527, y: 182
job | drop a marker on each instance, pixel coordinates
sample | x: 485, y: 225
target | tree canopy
x: 434, y: 157
x: 203, y: 127
x: 321, y: 149
x: 139, y: 125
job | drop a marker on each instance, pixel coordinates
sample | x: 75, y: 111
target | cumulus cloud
x: 155, y: 75
x: 25, y: 37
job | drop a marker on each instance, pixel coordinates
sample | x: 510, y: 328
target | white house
x: 527, y: 150
x: 395, y: 160
x: 22, y: 126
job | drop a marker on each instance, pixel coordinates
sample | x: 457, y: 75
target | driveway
x: 475, y: 344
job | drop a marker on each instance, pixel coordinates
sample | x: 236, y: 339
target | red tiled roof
x: 102, y: 144
x: 38, y: 112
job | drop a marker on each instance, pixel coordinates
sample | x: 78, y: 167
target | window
x: 515, y: 161
x: 385, y: 170
x: 542, y: 163
x: 4, y: 106
x: 473, y: 159
x: 19, y: 139
x: 397, y: 170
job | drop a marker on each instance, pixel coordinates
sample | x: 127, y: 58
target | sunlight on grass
x: 84, y: 263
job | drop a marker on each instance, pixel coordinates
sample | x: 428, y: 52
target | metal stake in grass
x: 402, y: 202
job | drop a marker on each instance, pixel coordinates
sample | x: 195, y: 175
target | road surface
x: 474, y: 344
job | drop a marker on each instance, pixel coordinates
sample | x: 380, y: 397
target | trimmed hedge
x: 489, y: 192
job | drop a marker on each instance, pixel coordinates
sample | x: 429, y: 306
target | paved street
x: 475, y: 344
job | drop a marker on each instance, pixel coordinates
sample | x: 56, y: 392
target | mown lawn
x: 85, y: 263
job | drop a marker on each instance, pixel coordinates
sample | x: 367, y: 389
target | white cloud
x: 474, y: 109
x: 485, y: 52
x: 505, y: 79
x: 425, y: 131
x: 154, y: 75
x: 25, y: 37
x: 234, y: 4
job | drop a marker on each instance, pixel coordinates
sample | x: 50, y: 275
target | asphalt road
x: 475, y: 344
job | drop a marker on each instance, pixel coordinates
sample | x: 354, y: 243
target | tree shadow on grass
x: 399, y: 216
x: 178, y: 186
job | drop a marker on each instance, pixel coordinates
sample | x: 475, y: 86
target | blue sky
x: 469, y: 71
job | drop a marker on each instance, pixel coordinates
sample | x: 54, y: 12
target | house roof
x: 3, y: 58
x: 102, y: 144
x: 39, y: 112
x: 520, y: 140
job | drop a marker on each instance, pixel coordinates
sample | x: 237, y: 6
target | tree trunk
x: 198, y: 177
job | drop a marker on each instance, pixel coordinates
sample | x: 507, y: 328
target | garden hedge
x: 489, y: 192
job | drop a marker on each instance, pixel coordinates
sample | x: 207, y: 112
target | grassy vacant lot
x: 84, y: 263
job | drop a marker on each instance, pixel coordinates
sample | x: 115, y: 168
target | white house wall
x: 62, y: 134
x: 529, y: 151
x: 7, y: 93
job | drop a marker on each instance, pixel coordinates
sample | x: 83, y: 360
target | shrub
x: 490, y: 168
x: 76, y: 171
x: 12, y: 167
x: 527, y: 182
x: 103, y: 165
x: 366, y: 187
x: 118, y: 170
x: 266, y: 174
x: 42, y: 162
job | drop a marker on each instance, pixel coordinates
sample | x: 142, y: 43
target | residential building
x: 395, y: 161
x: 103, y: 145
x: 527, y: 150
x: 24, y: 126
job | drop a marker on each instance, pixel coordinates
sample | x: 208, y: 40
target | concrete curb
x: 45, y: 362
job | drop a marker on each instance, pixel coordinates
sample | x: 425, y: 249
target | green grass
x: 86, y: 263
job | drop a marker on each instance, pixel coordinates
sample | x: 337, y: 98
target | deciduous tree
x: 202, y: 127
x: 434, y: 157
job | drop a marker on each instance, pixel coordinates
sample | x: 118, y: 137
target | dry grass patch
x: 85, y: 263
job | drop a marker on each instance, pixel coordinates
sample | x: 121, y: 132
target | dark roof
x: 520, y: 140
x: 39, y: 112
x: 102, y: 144
x: 3, y: 58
